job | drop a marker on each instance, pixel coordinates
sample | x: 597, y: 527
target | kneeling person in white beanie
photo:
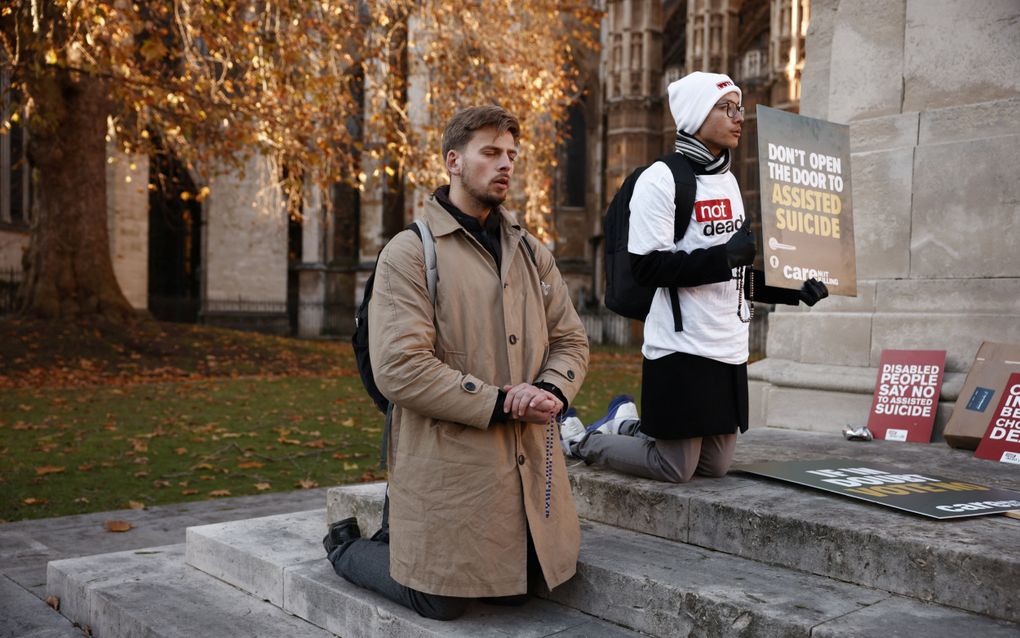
x: 694, y: 396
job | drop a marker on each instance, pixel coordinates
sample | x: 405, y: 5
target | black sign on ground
x: 916, y: 492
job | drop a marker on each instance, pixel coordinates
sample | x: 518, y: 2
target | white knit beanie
x: 693, y: 96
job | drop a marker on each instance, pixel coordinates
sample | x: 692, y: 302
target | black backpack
x: 624, y: 295
x: 360, y: 338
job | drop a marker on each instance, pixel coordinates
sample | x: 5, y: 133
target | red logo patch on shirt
x: 713, y: 210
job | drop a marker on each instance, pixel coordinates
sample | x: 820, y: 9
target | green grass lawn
x: 78, y: 434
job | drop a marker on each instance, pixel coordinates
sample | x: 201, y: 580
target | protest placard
x: 916, y: 492
x: 806, y: 203
x: 1002, y: 438
x: 982, y: 391
x: 907, y: 395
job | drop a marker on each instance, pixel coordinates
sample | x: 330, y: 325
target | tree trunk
x: 68, y: 270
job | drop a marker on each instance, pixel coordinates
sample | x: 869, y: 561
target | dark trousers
x: 366, y: 563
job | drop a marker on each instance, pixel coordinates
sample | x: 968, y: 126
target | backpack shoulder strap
x: 685, y: 190
x: 428, y: 244
x: 529, y: 248
x: 686, y: 187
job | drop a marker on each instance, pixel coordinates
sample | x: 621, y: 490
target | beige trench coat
x: 462, y: 491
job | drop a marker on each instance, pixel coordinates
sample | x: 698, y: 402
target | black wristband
x: 498, y: 415
x: 548, y: 387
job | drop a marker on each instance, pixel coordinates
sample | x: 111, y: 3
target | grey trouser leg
x: 366, y: 563
x: 673, y: 461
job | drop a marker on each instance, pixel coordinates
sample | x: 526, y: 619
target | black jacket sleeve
x: 768, y: 294
x: 663, y: 269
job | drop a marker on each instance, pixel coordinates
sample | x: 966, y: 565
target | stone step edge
x: 745, y: 517
x: 151, y: 592
x: 856, y: 556
x: 281, y: 559
x: 91, y: 597
x: 656, y: 612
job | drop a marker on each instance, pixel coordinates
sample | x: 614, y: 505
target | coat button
x: 570, y: 374
x: 513, y: 339
x: 469, y: 386
x: 520, y: 460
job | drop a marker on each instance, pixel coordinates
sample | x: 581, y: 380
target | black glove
x: 813, y: 291
x: 740, y: 248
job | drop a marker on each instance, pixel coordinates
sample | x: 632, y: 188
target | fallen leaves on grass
x: 40, y: 353
x: 219, y: 493
x: 34, y: 501
x: 262, y: 487
x: 136, y: 505
x: 118, y: 526
x: 48, y: 469
x: 307, y: 484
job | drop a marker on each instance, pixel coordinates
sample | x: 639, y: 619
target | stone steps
x: 967, y: 563
x: 667, y: 588
x: 153, y: 593
x: 25, y: 616
x: 281, y: 559
x: 269, y: 577
x: 970, y: 564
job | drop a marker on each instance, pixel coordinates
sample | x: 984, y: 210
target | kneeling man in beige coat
x: 479, y: 501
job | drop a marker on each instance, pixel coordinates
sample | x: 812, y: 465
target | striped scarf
x: 703, y: 162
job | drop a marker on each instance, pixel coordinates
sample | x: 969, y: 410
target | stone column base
x: 825, y: 398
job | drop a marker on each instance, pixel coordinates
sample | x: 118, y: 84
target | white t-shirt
x: 711, y: 328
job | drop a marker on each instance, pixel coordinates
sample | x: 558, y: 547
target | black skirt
x: 685, y: 396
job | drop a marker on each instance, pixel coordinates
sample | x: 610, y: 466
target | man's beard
x: 489, y: 199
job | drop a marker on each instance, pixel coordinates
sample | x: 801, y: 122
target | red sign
x: 1002, y: 438
x: 907, y: 395
x: 713, y: 210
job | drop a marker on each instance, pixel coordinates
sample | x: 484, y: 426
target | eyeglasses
x: 731, y: 109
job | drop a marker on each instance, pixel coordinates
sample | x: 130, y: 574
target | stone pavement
x: 27, y: 546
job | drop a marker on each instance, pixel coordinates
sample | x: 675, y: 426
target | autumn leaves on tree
x: 328, y: 91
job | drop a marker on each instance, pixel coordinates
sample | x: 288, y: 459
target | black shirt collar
x: 467, y: 221
x: 487, y: 235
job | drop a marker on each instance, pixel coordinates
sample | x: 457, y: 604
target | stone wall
x: 127, y: 210
x: 13, y: 244
x: 931, y: 90
x: 245, y: 250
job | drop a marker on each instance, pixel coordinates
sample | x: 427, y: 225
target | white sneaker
x: 623, y: 413
x: 572, y: 430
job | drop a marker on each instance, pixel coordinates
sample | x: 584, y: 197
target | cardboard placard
x: 1002, y: 438
x: 981, y: 392
x: 918, y: 493
x: 806, y: 204
x: 907, y: 395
